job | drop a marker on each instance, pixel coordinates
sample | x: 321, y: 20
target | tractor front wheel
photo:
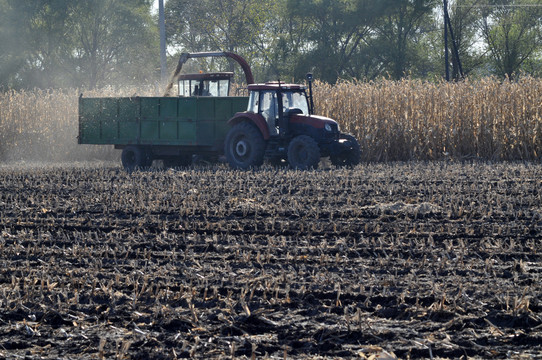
x: 303, y: 153
x: 244, y: 146
x: 351, y: 154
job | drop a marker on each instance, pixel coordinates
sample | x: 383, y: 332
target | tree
x: 511, y: 31
x: 113, y: 42
x: 399, y: 35
x: 336, y: 41
x: 227, y: 25
x: 9, y: 61
x: 464, y: 18
x: 59, y: 43
x: 280, y: 38
x: 32, y: 39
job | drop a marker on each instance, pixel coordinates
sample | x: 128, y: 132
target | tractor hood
x: 316, y: 121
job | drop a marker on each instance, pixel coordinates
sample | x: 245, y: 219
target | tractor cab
x: 205, y: 84
x: 276, y: 103
x: 280, y: 126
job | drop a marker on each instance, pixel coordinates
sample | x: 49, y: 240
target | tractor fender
x: 253, y: 118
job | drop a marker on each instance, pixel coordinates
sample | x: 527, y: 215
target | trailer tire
x: 244, y: 146
x: 349, y: 157
x: 303, y: 153
x: 135, y: 157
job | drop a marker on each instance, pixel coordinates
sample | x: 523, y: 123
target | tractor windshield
x: 205, y: 84
x: 295, y: 100
x: 203, y: 87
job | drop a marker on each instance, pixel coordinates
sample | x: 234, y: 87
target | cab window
x: 253, y: 102
x: 295, y: 100
x: 204, y: 87
x: 269, y: 109
x: 186, y: 87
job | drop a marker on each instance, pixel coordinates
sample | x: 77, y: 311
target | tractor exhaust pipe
x: 311, y: 101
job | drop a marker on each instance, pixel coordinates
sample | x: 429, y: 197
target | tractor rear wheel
x: 244, y: 146
x: 350, y: 156
x: 135, y: 157
x: 303, y: 153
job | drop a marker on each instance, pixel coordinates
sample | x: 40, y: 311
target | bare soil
x: 407, y: 260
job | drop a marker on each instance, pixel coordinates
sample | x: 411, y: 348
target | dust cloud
x: 41, y: 126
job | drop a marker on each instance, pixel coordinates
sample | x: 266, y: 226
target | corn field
x: 42, y: 125
x: 393, y: 120
x: 414, y: 119
x: 417, y: 259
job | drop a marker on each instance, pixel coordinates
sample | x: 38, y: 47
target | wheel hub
x: 303, y: 154
x: 241, y: 148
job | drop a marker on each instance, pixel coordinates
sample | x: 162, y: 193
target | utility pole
x: 446, y: 60
x: 163, y: 60
x: 455, y: 49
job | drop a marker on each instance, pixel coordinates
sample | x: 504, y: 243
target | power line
x: 496, y: 5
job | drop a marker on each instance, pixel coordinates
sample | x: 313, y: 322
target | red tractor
x: 279, y: 125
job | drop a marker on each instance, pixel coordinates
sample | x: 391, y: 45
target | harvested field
x: 414, y: 260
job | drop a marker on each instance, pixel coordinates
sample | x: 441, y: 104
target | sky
x: 155, y: 5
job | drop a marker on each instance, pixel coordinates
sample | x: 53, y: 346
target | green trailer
x: 172, y: 129
x: 168, y: 128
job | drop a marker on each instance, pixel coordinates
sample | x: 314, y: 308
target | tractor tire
x: 303, y: 153
x: 244, y: 146
x: 135, y: 157
x: 348, y: 157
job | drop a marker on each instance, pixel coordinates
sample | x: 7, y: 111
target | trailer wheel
x: 303, y: 153
x: 135, y: 157
x: 244, y: 146
x: 350, y: 156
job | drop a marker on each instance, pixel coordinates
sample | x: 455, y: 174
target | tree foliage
x: 400, y: 32
x: 337, y: 39
x: 91, y: 43
x: 465, y: 16
x: 511, y: 30
x: 55, y: 43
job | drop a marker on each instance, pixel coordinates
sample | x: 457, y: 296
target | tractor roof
x: 275, y: 85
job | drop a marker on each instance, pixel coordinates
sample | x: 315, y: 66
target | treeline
x: 83, y: 43
x: 93, y: 43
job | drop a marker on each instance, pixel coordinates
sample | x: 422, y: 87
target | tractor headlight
x: 328, y: 127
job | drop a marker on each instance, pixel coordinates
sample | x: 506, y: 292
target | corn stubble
x: 412, y: 260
